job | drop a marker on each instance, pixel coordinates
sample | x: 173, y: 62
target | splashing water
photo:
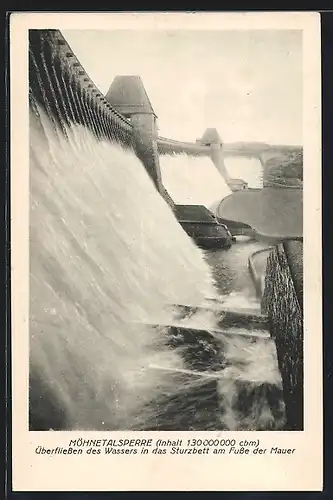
x: 248, y: 169
x: 192, y: 180
x: 105, y: 250
x: 106, y: 253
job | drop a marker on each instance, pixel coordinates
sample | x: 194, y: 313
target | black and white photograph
x: 166, y: 232
x: 165, y: 223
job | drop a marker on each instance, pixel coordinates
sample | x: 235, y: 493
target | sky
x: 247, y: 84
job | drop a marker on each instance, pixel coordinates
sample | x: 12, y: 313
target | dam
x: 132, y: 325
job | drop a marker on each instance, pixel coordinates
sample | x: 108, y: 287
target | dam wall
x: 125, y: 112
x: 124, y: 115
x: 58, y: 83
x: 170, y: 146
x: 55, y: 72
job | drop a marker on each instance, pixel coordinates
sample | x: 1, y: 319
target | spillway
x: 107, y: 254
x: 248, y: 169
x: 105, y: 251
x: 193, y: 180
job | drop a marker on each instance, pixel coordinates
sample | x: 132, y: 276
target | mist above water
x: 105, y: 250
x: 106, y: 256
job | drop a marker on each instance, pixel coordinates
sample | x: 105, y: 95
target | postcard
x: 166, y: 317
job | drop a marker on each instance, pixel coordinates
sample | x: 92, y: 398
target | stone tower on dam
x: 212, y: 138
x: 129, y: 97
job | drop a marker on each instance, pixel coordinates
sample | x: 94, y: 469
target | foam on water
x: 193, y: 180
x: 106, y: 253
x: 105, y: 250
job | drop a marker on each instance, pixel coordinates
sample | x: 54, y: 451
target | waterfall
x: 193, y: 180
x: 106, y: 253
x: 248, y: 169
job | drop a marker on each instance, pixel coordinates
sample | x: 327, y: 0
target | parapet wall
x: 170, y: 146
x: 58, y: 82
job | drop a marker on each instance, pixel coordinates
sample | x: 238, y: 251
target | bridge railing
x: 59, y: 83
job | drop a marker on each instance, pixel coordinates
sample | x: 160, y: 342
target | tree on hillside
x: 286, y: 169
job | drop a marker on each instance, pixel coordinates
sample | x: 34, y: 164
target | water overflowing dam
x: 248, y: 169
x: 96, y: 260
x: 109, y: 262
x: 192, y: 180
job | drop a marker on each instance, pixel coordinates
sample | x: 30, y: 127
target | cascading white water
x: 193, y: 180
x: 105, y: 251
x: 106, y: 255
x: 248, y: 169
